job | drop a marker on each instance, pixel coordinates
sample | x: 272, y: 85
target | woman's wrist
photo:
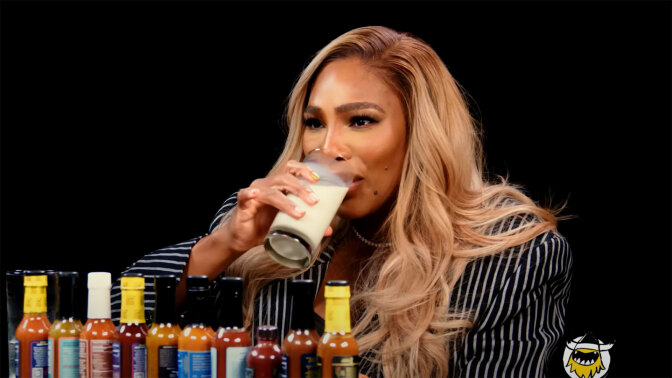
x: 212, y: 255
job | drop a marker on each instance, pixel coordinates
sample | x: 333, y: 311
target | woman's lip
x: 355, y: 184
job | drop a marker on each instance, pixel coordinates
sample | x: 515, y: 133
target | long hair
x: 439, y: 221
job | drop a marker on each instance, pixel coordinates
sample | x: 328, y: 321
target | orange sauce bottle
x: 299, y: 349
x: 337, y: 352
x: 132, y: 327
x: 232, y: 342
x: 193, y: 344
x: 162, y: 337
x: 64, y: 332
x: 99, y: 351
x: 265, y: 357
x: 33, y: 330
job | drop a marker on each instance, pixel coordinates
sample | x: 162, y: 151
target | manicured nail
x: 315, y: 176
x: 313, y: 198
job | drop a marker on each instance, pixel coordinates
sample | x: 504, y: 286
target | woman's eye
x: 312, y: 123
x: 361, y: 121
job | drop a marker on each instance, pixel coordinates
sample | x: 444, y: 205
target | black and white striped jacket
x: 518, y: 298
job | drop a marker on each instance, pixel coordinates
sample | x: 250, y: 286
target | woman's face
x: 352, y: 113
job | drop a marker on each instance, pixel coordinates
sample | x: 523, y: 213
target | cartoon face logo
x: 587, y: 357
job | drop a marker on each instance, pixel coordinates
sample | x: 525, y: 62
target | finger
x: 273, y: 197
x: 245, y: 196
x: 299, y: 169
x: 286, y: 183
x: 329, y: 232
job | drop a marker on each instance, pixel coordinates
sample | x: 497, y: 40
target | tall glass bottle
x: 132, y: 326
x: 162, y: 336
x: 14, y: 282
x: 193, y: 344
x: 99, y: 352
x: 33, y: 330
x: 64, y: 332
x: 337, y: 352
x: 232, y: 342
x: 265, y: 357
x: 299, y: 349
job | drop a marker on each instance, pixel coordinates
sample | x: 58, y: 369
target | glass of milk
x: 291, y: 241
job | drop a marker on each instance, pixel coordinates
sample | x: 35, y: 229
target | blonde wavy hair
x: 439, y: 222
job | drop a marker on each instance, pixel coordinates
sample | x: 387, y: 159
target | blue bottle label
x: 193, y: 364
x: 39, y: 358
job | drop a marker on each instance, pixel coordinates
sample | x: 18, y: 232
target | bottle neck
x: 99, y: 304
x: 164, y: 307
x: 132, y: 306
x: 66, y: 302
x: 35, y: 300
x: 232, y: 316
x: 197, y: 303
x: 302, y: 313
x: 337, y: 315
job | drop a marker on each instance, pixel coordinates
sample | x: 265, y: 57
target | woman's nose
x: 334, y: 146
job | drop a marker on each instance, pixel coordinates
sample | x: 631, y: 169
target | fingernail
x: 315, y: 176
x: 298, y: 211
x: 312, y: 197
x: 254, y: 192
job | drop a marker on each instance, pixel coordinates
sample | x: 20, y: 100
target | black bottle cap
x: 267, y: 332
x: 165, y: 281
x: 34, y: 272
x: 198, y: 283
x: 337, y: 283
x: 232, y: 287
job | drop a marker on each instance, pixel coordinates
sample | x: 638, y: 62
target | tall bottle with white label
x: 193, y: 344
x: 33, y: 331
x: 99, y: 349
x: 64, y: 332
x: 232, y: 342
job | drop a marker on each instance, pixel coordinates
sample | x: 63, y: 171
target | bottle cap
x: 198, y: 283
x: 165, y: 281
x: 337, y: 289
x: 35, y: 280
x: 134, y: 282
x: 232, y: 287
x: 99, y: 280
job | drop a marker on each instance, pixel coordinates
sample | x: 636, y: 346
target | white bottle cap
x: 99, y: 280
x: 99, y: 284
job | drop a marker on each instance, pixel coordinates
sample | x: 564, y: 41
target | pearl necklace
x: 369, y: 242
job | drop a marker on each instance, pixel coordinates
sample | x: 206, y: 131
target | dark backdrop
x: 125, y: 125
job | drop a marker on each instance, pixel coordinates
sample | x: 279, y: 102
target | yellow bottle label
x: 132, y: 300
x: 35, y: 294
x: 337, y: 315
x: 132, y: 306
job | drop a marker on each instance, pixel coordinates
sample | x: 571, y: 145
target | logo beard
x: 585, y: 363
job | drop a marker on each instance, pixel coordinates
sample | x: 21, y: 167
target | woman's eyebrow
x: 310, y: 109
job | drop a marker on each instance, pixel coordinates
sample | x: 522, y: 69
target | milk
x: 310, y: 228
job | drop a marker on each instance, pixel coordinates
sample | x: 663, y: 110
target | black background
x: 126, y: 124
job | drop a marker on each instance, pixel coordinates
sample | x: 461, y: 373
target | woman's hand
x: 259, y: 203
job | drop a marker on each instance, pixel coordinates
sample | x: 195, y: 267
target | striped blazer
x: 518, y: 299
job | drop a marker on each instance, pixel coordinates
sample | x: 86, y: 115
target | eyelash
x: 314, y: 123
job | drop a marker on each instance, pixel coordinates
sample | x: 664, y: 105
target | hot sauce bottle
x: 162, y: 336
x: 33, y: 330
x: 299, y: 348
x: 193, y: 344
x: 232, y: 342
x: 265, y: 357
x: 64, y: 332
x: 132, y: 327
x: 338, y: 353
x: 14, y: 282
x: 99, y: 352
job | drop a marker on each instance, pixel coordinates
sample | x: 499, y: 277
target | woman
x: 451, y: 275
